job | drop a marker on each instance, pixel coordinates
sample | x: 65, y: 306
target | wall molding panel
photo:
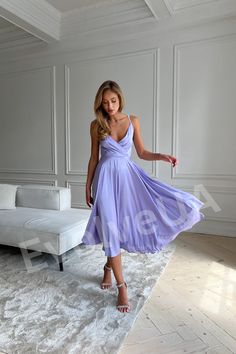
x: 155, y: 74
x: 178, y: 49
x: 31, y: 81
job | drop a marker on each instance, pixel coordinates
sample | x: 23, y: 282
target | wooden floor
x: 192, y: 308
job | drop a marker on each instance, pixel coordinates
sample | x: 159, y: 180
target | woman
x: 130, y: 210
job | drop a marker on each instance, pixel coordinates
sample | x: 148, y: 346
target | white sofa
x: 40, y: 218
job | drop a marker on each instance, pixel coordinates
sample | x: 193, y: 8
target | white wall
x: 180, y: 84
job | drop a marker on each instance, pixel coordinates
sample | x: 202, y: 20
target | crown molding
x: 36, y: 17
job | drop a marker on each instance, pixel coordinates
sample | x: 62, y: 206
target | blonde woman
x: 130, y: 210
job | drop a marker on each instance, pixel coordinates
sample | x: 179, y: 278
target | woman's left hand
x: 168, y: 158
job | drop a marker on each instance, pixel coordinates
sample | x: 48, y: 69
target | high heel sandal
x: 106, y: 285
x: 124, y: 306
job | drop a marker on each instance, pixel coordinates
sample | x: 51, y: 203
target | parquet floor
x: 192, y: 308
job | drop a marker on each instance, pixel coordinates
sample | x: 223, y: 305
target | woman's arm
x: 93, y: 161
x: 145, y: 154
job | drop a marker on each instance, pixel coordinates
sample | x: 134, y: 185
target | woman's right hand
x: 89, y: 199
x: 173, y: 160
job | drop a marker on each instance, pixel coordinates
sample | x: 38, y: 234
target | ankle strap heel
x: 107, y: 268
x: 121, y: 285
x: 122, y: 307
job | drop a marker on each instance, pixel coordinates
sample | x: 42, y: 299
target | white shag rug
x: 43, y: 310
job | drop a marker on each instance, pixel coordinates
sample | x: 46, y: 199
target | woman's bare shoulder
x: 93, y: 122
x: 93, y: 128
x: 134, y: 119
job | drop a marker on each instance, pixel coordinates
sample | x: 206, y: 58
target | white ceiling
x: 3, y: 23
x: 29, y: 23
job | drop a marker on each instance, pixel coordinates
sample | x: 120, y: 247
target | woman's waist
x: 114, y: 156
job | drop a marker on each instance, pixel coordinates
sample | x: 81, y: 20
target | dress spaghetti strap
x: 130, y: 122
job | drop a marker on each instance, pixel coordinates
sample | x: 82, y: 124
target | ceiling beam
x: 158, y: 8
x: 36, y: 17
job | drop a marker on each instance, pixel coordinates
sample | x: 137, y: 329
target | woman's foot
x: 122, y: 302
x: 106, y: 282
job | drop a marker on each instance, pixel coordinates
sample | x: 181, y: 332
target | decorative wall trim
x: 69, y: 171
x: 175, y: 121
x: 53, y: 171
x: 53, y: 119
x: 21, y: 181
x: 67, y: 123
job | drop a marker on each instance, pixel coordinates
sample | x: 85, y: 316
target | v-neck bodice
x: 121, y: 148
x: 125, y: 134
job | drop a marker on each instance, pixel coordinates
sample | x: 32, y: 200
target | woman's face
x: 110, y: 102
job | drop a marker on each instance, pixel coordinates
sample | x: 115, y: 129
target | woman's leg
x: 108, y: 262
x: 107, y: 281
x: 117, y: 270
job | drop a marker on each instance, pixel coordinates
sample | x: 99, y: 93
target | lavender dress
x: 131, y: 210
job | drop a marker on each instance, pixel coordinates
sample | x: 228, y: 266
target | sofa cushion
x: 50, y: 231
x: 43, y: 197
x: 7, y: 196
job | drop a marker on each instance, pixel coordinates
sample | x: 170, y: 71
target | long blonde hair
x: 101, y: 126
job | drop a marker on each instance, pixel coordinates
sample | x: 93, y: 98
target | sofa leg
x: 60, y: 262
